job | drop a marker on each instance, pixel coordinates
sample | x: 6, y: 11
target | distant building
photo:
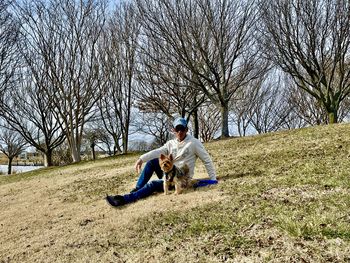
x: 25, y: 158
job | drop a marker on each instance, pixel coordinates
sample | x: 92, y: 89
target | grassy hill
x: 281, y: 197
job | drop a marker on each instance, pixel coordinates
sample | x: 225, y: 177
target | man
x: 184, y: 148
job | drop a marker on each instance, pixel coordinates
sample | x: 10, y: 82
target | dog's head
x: 166, y: 162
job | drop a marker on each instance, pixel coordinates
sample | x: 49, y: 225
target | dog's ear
x: 171, y: 157
x: 162, y: 157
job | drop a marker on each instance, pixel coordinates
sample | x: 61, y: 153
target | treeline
x: 96, y: 71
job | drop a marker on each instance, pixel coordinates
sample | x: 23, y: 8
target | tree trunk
x: 333, y: 117
x: 116, y: 147
x: 48, y: 158
x: 125, y: 143
x: 93, y: 151
x: 224, y: 121
x: 74, y: 152
x: 9, y: 167
x: 195, y: 124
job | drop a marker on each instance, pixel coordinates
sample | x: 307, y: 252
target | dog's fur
x: 174, y: 176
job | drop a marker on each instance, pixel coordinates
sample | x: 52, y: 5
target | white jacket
x: 183, y: 152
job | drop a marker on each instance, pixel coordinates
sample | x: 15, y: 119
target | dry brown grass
x: 282, y: 197
x: 59, y: 217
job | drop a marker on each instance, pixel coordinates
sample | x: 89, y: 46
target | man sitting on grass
x: 185, y: 149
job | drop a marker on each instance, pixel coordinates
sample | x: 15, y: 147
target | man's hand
x: 138, y: 165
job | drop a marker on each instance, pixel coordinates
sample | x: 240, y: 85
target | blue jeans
x: 151, y: 167
x: 147, y: 188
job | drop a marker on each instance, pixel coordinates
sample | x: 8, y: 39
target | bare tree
x: 240, y: 108
x: 209, y: 122
x: 119, y: 45
x: 156, y: 124
x: 28, y: 110
x: 64, y: 35
x: 162, y: 86
x: 269, y: 108
x: 211, y: 39
x: 11, y: 144
x: 24, y: 106
x: 105, y: 139
x: 61, y: 155
x: 310, y: 41
x: 93, y: 137
x: 8, y: 55
x: 292, y: 121
x: 309, y: 109
x: 239, y: 112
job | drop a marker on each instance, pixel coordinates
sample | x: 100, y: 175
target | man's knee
x: 156, y: 185
x: 151, y: 165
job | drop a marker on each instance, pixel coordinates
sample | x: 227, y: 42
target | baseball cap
x: 180, y: 121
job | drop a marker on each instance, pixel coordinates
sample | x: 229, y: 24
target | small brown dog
x: 174, y: 176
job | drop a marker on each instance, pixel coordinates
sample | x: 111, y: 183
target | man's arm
x: 150, y: 155
x: 138, y: 165
x: 205, y: 158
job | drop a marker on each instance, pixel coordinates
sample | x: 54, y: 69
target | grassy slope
x: 282, y: 197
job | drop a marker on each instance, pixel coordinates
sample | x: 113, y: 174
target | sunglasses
x: 179, y: 128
